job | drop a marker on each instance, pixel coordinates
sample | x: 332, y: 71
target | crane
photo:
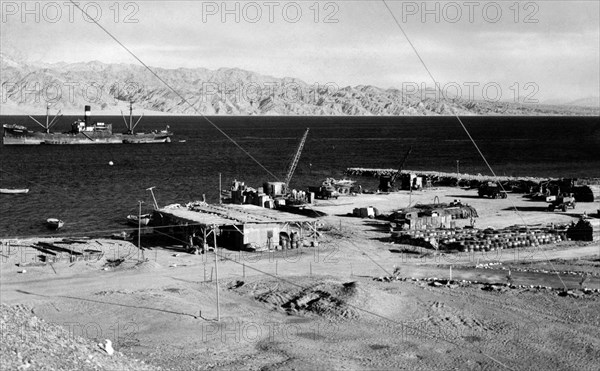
x: 386, y: 182
x: 295, y: 160
x: 395, y: 176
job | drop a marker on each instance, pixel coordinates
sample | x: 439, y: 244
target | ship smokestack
x: 87, y: 116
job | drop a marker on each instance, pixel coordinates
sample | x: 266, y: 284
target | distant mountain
x: 26, y: 88
x: 586, y: 102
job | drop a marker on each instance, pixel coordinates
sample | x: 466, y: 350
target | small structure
x: 236, y: 227
x: 413, y: 222
x: 411, y: 181
x: 431, y: 216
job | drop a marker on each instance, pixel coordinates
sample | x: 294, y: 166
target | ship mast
x: 131, y: 117
x: 49, y: 124
x: 131, y: 126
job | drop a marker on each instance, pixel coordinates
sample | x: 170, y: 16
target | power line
x: 174, y: 90
x: 437, y: 87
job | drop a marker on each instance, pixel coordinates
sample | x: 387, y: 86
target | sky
x: 545, y: 50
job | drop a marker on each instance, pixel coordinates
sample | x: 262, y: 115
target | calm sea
x: 76, y: 183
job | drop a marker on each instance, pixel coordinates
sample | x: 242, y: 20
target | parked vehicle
x: 324, y: 192
x: 492, y: 190
x: 561, y: 202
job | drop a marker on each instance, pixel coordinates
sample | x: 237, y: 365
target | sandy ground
x: 319, y: 308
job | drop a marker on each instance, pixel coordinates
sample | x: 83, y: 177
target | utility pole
x: 220, y: 187
x: 457, y: 169
x: 140, y: 229
x: 216, y: 271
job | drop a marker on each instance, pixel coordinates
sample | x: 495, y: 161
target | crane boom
x: 295, y: 161
x: 395, y: 176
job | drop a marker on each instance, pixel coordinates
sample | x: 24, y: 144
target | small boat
x: 15, y: 191
x: 132, y: 219
x: 181, y: 140
x: 54, y: 223
x: 122, y: 236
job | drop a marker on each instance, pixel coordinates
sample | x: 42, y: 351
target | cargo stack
x: 470, y: 239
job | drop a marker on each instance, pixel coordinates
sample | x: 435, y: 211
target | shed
x: 235, y: 226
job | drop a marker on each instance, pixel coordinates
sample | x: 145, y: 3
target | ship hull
x: 146, y: 139
x: 25, y: 137
x: 20, y: 135
x: 62, y: 139
x: 21, y: 141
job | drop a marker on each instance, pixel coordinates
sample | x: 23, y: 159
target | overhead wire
x: 455, y: 114
x: 274, y: 176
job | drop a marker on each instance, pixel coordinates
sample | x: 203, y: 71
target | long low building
x: 235, y: 226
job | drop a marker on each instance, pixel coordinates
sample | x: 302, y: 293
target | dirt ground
x: 320, y: 307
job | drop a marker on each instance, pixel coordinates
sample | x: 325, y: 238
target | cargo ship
x: 131, y: 137
x: 82, y: 132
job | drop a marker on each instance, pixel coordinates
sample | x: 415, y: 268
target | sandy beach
x: 159, y: 305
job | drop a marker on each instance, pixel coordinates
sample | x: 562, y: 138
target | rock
x: 107, y: 347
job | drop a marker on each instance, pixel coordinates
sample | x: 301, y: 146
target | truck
x: 324, y: 192
x: 562, y: 202
x: 492, y: 190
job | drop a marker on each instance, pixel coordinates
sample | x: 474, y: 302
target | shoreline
x: 355, y: 276
x: 444, y: 177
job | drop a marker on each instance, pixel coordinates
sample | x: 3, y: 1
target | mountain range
x: 28, y: 87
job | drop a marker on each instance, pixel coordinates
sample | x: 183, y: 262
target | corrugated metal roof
x: 230, y: 214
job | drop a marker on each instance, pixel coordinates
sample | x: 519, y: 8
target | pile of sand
x: 147, y: 266
x: 325, y: 298
x: 28, y: 342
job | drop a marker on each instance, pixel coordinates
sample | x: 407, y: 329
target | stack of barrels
x: 470, y: 239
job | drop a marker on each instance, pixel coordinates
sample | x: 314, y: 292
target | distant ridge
x: 586, y: 102
x: 227, y: 91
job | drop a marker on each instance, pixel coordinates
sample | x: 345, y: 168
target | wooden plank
x: 39, y: 248
x: 58, y: 248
